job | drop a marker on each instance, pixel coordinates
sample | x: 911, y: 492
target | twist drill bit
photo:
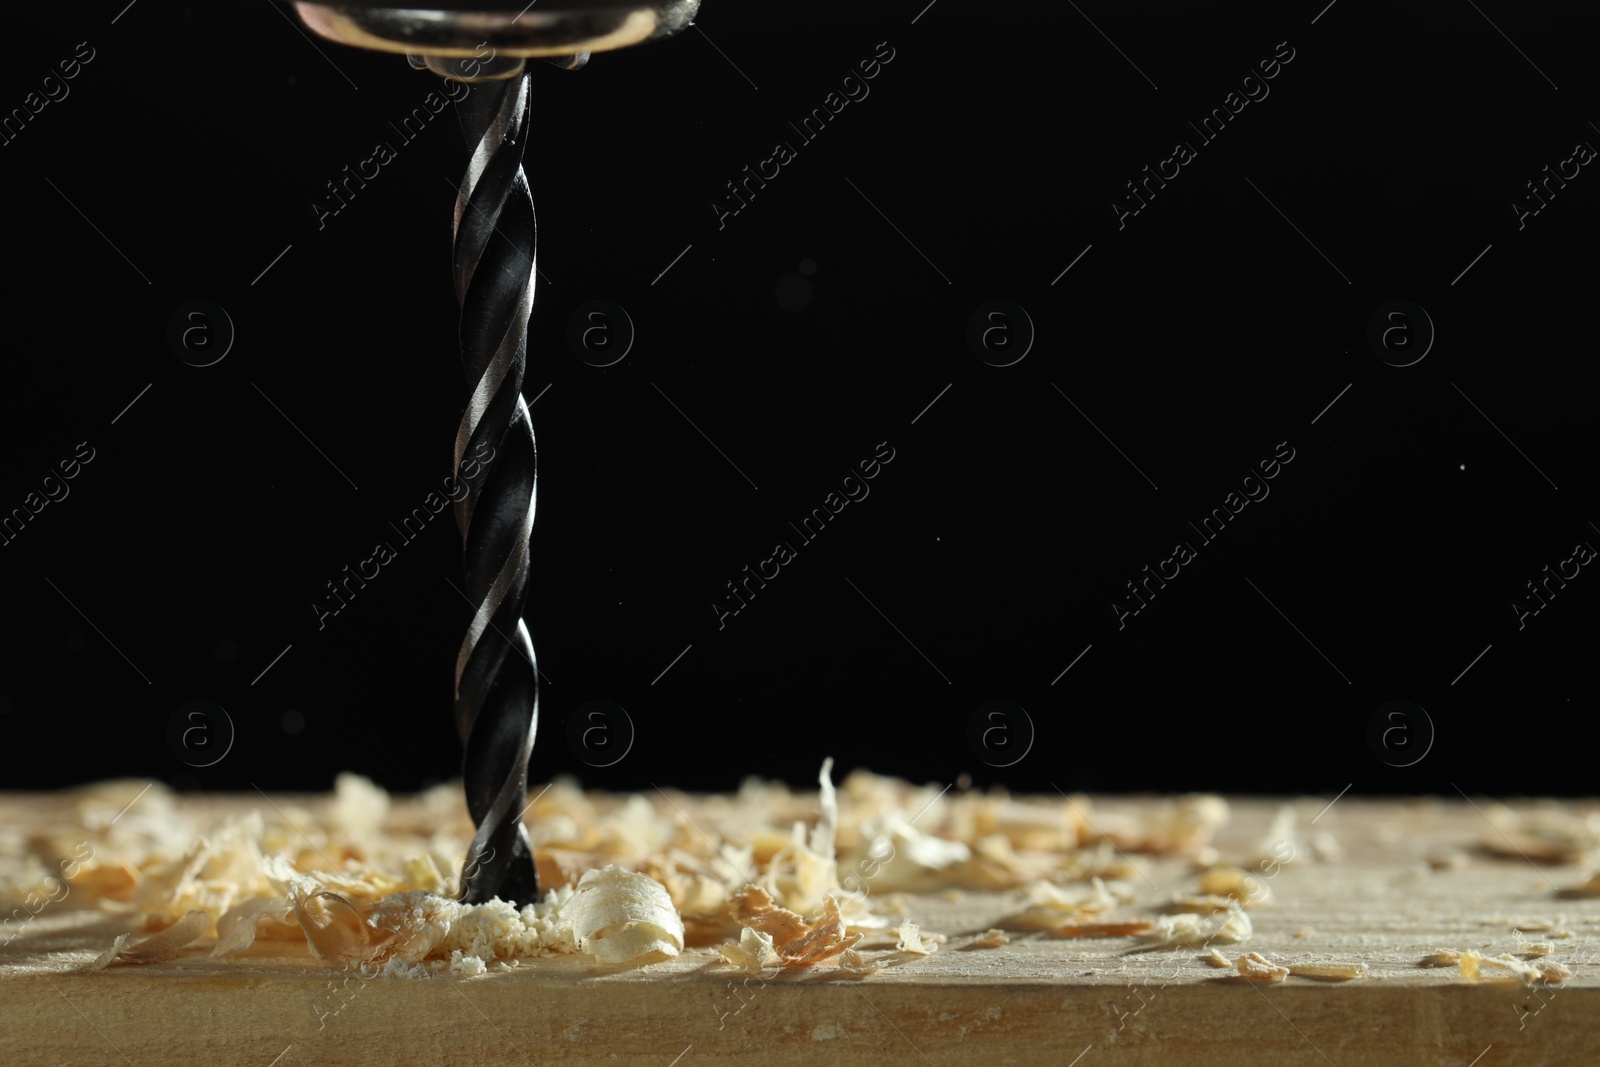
x: 497, y: 698
x: 497, y: 688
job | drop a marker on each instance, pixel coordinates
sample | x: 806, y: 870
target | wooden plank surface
x: 1038, y: 1000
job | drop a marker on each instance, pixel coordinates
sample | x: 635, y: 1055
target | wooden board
x: 1037, y: 1000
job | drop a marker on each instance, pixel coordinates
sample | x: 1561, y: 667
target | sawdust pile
x: 774, y: 877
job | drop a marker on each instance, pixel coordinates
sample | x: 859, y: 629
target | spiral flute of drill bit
x: 497, y: 691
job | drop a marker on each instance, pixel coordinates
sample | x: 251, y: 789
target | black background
x: 1219, y: 321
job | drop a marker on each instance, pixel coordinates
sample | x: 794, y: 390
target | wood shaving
x: 334, y: 928
x: 102, y: 961
x: 991, y: 938
x: 1446, y: 859
x: 798, y: 942
x: 1472, y: 964
x: 1187, y: 929
x: 237, y: 928
x: 619, y: 916
x: 1234, y: 882
x: 1105, y: 929
x: 1551, y: 971
x: 1281, y: 844
x: 1051, y: 907
x: 1541, y: 833
x: 911, y: 940
x: 1590, y: 888
x: 1236, y: 927
x: 168, y: 942
x: 753, y: 952
x: 1216, y: 959
x: 828, y: 938
x: 1444, y: 957
x: 360, y: 878
x: 1202, y: 905
x: 1097, y: 861
x: 1536, y: 948
x: 1184, y: 826
x: 755, y: 908
x: 1329, y: 971
x: 615, y: 915
x: 1258, y: 968
x: 162, y: 946
x: 854, y: 962
x: 1177, y: 930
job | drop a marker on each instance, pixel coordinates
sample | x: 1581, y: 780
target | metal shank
x: 497, y: 692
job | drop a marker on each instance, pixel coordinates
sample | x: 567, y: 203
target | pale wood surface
x: 1038, y: 1000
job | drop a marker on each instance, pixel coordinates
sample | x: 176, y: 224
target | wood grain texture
x: 1037, y: 1000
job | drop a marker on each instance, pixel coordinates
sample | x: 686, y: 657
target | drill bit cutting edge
x: 497, y: 688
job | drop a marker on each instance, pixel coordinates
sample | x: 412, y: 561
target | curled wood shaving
x: 753, y: 953
x: 1258, y: 968
x: 1444, y: 957
x: 162, y: 946
x: 854, y: 962
x: 1551, y: 971
x: 619, y: 916
x: 1236, y: 927
x: 1049, y: 897
x: 1216, y: 959
x: 755, y: 908
x: 1330, y: 971
x: 991, y: 938
x: 237, y: 928
x: 911, y: 940
x: 1177, y: 930
x: 828, y: 938
x: 806, y: 870
x: 1051, y: 907
x: 333, y: 927
x: 1536, y: 948
x: 102, y: 961
x: 797, y: 941
x: 166, y: 944
x: 1185, y: 929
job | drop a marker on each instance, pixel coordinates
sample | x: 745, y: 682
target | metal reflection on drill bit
x: 497, y: 694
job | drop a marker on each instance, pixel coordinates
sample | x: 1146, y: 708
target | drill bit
x: 497, y: 688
